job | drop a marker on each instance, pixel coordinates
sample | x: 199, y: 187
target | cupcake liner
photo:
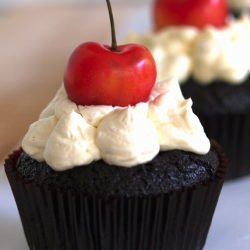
x: 55, y: 218
x: 232, y: 133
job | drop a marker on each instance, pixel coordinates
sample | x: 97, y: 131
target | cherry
x: 198, y: 13
x: 98, y: 74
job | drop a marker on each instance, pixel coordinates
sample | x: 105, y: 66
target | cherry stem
x: 114, y: 43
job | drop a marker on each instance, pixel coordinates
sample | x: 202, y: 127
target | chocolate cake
x: 60, y: 212
x: 168, y: 171
x: 95, y: 173
x: 218, y: 97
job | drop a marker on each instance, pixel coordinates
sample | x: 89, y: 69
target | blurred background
x: 23, y: 2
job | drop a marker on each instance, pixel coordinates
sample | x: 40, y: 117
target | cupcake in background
x: 207, y: 51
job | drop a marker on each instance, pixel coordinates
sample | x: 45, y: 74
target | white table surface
x: 230, y: 229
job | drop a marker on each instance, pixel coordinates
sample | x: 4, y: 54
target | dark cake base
x: 168, y: 171
x: 218, y: 97
x: 60, y: 219
x: 224, y: 111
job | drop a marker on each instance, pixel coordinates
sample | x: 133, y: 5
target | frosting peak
x: 67, y: 135
x: 133, y: 143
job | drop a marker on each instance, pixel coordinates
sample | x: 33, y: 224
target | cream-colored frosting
x: 67, y: 135
x: 241, y: 5
x: 206, y: 54
x: 136, y: 142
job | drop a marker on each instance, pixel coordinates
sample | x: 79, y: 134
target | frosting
x: 136, y: 142
x: 67, y: 135
x: 206, y: 54
x: 71, y: 143
x: 239, y: 4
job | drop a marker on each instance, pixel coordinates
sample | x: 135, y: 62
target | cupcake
x: 116, y: 161
x: 103, y: 177
x: 212, y: 68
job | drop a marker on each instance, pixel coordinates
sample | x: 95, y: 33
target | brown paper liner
x: 56, y: 219
x: 232, y: 132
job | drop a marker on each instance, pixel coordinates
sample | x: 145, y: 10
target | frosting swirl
x: 206, y: 54
x: 67, y: 135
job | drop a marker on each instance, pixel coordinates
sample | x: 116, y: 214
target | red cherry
x: 96, y: 75
x: 198, y: 13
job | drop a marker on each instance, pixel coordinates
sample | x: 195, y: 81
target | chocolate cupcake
x: 213, y: 70
x: 148, y: 179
